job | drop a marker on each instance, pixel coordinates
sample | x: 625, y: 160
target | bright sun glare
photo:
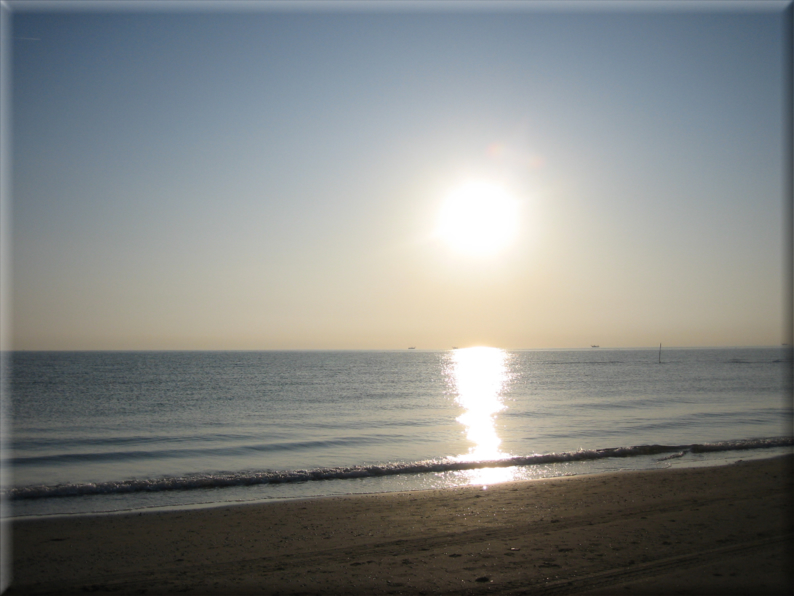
x: 480, y: 377
x: 478, y: 218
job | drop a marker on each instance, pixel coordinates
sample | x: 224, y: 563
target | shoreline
x: 544, y: 466
x: 700, y: 530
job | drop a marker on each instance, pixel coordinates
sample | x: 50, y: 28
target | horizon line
x: 436, y: 349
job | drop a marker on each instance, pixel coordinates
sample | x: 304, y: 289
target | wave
x: 111, y: 456
x: 220, y: 480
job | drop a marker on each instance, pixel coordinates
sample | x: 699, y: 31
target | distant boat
x: 594, y: 346
x: 412, y: 348
x: 454, y: 347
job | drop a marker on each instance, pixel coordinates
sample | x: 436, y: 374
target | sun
x: 478, y: 218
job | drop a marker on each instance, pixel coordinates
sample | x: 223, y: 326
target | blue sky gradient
x: 268, y: 179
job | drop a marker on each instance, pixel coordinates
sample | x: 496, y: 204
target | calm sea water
x: 110, y: 431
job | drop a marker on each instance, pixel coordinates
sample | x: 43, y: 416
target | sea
x: 105, y: 432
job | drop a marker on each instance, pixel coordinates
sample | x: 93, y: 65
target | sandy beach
x: 709, y: 530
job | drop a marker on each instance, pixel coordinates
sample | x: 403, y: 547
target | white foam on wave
x: 208, y: 481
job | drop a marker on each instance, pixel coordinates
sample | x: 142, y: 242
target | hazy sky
x: 271, y: 178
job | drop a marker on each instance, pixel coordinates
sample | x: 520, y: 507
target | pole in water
x: 660, y: 353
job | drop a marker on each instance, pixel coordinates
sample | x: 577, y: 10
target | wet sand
x: 716, y: 530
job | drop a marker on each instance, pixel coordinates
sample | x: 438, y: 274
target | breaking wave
x: 208, y: 481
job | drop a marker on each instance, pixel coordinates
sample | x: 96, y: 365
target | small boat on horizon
x: 594, y: 346
x: 412, y: 348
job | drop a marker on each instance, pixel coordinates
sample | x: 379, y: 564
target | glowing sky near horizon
x: 272, y: 179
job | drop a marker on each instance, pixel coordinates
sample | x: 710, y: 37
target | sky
x: 272, y: 177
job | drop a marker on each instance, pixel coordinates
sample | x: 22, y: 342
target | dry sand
x: 717, y: 530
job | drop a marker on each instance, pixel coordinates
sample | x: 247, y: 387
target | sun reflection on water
x: 479, y: 377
